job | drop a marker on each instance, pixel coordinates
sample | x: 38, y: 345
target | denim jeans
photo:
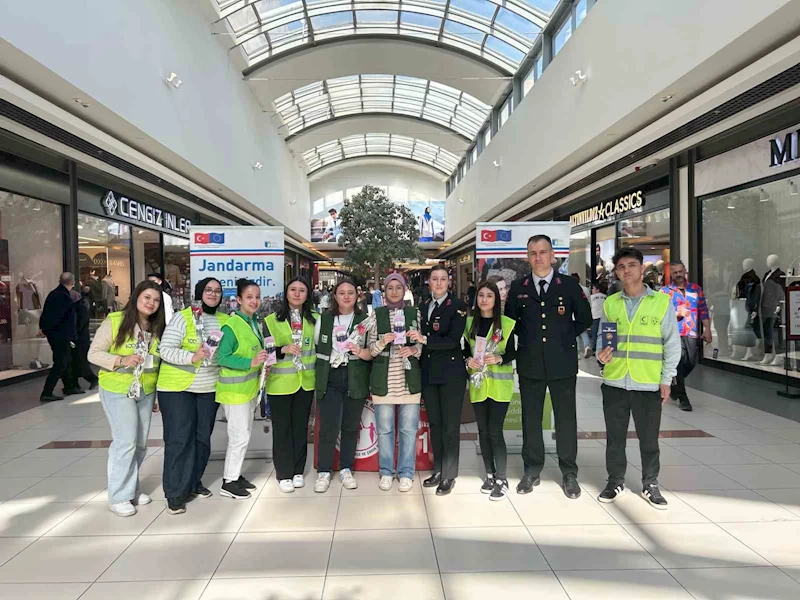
x: 130, y: 426
x: 408, y: 425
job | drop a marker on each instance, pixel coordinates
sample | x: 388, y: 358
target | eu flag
x: 216, y: 238
x: 503, y: 235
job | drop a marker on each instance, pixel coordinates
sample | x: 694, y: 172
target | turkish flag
x: 201, y: 238
x: 488, y: 236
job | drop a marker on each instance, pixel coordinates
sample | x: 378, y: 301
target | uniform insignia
x: 447, y: 303
x: 558, y: 280
x: 462, y: 313
x: 560, y: 298
x: 324, y: 339
x: 436, y: 325
x: 562, y: 310
x: 525, y: 283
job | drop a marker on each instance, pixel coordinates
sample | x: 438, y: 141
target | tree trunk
x: 377, y: 276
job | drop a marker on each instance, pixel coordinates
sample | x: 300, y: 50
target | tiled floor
x: 732, y: 530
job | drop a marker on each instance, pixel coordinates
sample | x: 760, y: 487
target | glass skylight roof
x: 500, y: 31
x: 380, y: 144
x: 393, y: 94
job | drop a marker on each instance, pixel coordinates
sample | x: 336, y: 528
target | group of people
x: 395, y: 354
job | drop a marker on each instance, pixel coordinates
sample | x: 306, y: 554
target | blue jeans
x: 408, y: 417
x: 130, y: 426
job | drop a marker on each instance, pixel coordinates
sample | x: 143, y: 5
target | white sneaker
x: 142, y: 499
x: 123, y: 509
x: 348, y: 481
x: 406, y: 484
x: 386, y: 483
x: 298, y: 481
x: 323, y: 483
x: 286, y: 486
x: 587, y: 352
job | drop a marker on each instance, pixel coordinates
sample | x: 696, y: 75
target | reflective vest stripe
x: 499, y: 382
x: 284, y: 378
x: 657, y: 356
x: 282, y: 371
x: 500, y: 376
x: 235, y: 386
x: 323, y: 357
x: 642, y: 339
x: 188, y: 368
x: 240, y: 378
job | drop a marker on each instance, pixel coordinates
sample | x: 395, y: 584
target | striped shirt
x: 398, y: 390
x: 170, y: 349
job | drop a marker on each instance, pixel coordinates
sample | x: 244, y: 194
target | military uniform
x: 444, y: 379
x: 547, y: 357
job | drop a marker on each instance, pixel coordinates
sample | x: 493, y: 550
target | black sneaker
x: 176, y: 506
x: 245, y: 484
x: 500, y: 490
x: 488, y: 484
x: 684, y: 404
x: 612, y: 492
x: 652, y: 494
x: 73, y: 392
x: 93, y: 385
x: 203, y: 492
x: 50, y: 398
x: 234, y: 489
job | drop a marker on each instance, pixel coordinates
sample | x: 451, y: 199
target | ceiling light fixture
x: 258, y: 166
x: 578, y: 78
x: 730, y: 204
x: 763, y: 196
x: 497, y: 164
x: 461, y: 201
x: 82, y: 102
x: 792, y: 188
x: 667, y: 98
x: 174, y: 81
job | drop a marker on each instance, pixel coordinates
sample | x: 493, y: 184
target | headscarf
x: 402, y: 302
x: 198, y: 295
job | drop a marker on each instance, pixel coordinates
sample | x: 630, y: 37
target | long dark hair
x: 156, y: 321
x: 335, y: 305
x: 284, y: 312
x: 496, y: 312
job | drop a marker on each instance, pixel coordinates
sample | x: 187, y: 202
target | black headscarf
x: 198, y: 294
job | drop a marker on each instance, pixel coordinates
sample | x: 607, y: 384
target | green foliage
x: 377, y: 233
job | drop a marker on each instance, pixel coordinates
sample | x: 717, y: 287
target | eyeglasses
x: 212, y: 291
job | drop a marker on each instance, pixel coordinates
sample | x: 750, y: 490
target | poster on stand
x: 501, y: 249
x: 232, y: 253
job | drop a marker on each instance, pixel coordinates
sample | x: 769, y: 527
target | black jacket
x: 442, y: 359
x: 82, y: 318
x: 58, y: 316
x: 547, y: 327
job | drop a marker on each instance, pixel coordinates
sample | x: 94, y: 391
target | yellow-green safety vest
x: 234, y: 386
x: 119, y: 380
x: 284, y: 379
x: 640, y: 347
x: 177, y: 378
x: 499, y: 382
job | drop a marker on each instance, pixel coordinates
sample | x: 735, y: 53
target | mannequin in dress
x: 743, y: 309
x: 772, y: 292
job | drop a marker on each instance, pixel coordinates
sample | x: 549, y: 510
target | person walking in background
x: 167, y: 299
x: 550, y: 311
x: 490, y: 400
x: 377, y: 297
x: 114, y: 350
x: 187, y: 384
x: 584, y: 335
x: 79, y: 363
x: 596, y: 301
x: 240, y: 356
x: 637, y: 375
x: 395, y: 388
x: 59, y: 325
x: 95, y: 292
x: 444, y: 376
x: 342, y: 386
x: 291, y: 392
x: 691, y: 309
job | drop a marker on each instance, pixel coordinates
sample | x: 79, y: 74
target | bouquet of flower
x: 197, y: 317
x: 479, y: 376
x: 399, y: 329
x: 296, y: 319
x: 356, y: 337
x: 142, y: 349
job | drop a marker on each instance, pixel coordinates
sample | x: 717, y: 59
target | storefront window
x: 31, y: 260
x: 146, y: 253
x: 105, y: 264
x: 176, y: 270
x: 749, y: 243
x: 580, y: 255
x: 650, y: 235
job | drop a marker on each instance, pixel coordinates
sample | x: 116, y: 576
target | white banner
x: 231, y: 253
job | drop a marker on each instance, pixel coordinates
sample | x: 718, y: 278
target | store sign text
x: 609, y: 209
x: 144, y: 213
x: 783, y: 151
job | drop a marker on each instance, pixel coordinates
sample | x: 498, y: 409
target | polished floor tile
x: 151, y: 590
x: 654, y: 584
x: 377, y: 552
x: 724, y: 455
x: 292, y: 514
x: 762, y: 476
x: 89, y: 466
x: 273, y: 588
x: 479, y: 586
x: 387, y: 587
x: 696, y: 478
x: 34, y: 467
x: 294, y: 554
x: 487, y: 549
x: 12, y: 486
x: 557, y: 509
x: 20, y: 519
x: 779, y: 453
x: 10, y: 547
x: 95, y: 518
x: 63, y: 489
x: 42, y: 591
x: 468, y: 509
x: 382, y: 512
x: 787, y: 498
x: 779, y: 543
x: 212, y: 515
x: 170, y: 557
x: 735, y: 506
x: 743, y: 583
x: 633, y: 508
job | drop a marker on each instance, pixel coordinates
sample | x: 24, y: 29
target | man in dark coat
x: 58, y: 324
x: 79, y: 365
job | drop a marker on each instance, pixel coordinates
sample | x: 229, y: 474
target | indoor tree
x: 377, y: 233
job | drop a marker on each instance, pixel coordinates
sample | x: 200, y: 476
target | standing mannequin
x: 772, y: 292
x: 746, y: 288
x: 660, y: 273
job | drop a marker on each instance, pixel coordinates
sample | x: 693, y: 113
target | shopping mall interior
x: 133, y: 133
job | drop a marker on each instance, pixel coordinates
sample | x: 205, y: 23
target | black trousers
x: 290, y: 415
x: 490, y: 415
x: 188, y: 423
x: 443, y: 404
x: 338, y: 412
x: 618, y: 404
x: 689, y: 357
x: 79, y: 367
x: 562, y: 394
x: 62, y: 357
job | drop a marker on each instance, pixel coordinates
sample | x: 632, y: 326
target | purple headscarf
x: 389, y: 279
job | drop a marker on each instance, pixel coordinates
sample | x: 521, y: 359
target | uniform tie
x: 542, y: 283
